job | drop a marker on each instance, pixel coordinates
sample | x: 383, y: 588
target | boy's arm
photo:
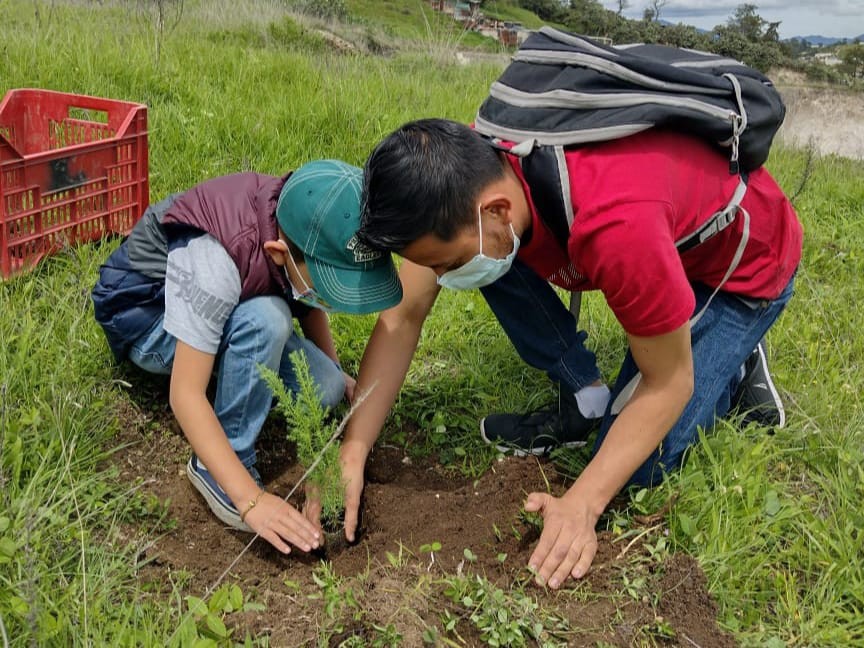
x: 275, y: 520
x: 569, y: 542
x: 383, y: 368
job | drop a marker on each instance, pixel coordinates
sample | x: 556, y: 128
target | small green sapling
x: 310, y: 429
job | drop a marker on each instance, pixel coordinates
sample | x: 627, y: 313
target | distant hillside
x: 823, y: 41
x: 819, y: 41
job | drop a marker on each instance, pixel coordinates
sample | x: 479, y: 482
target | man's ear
x: 499, y: 205
x: 278, y: 251
x: 507, y: 201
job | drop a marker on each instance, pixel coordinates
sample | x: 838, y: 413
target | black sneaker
x: 218, y: 501
x: 757, y: 398
x: 541, y: 431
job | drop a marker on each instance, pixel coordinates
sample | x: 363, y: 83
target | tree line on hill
x: 745, y: 36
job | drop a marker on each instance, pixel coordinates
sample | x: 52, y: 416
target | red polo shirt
x: 632, y: 199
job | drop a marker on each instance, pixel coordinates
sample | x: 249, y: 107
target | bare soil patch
x: 408, y: 504
x: 830, y: 119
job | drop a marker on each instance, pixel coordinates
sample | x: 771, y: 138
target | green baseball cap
x: 319, y: 210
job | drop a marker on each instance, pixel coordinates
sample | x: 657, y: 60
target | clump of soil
x: 408, y: 504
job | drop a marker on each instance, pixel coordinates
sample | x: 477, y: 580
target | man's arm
x: 275, y: 520
x: 383, y: 369
x: 569, y: 542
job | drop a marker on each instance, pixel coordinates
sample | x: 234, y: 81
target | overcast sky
x: 838, y: 18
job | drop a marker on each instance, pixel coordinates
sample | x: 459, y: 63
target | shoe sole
x: 225, y: 515
x: 516, y: 451
x: 769, y: 383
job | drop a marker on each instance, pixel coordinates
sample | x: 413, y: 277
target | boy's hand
x: 280, y: 523
x: 312, y: 505
x: 352, y: 456
x: 350, y: 386
x: 568, y: 543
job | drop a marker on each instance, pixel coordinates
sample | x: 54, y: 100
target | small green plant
x: 204, y: 623
x: 430, y: 547
x: 531, y: 520
x: 658, y: 552
x: 635, y: 586
x: 657, y: 632
x: 312, y: 432
x: 511, y: 618
x: 338, y: 599
x: 400, y: 559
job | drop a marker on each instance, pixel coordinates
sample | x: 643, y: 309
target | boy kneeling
x: 212, y: 278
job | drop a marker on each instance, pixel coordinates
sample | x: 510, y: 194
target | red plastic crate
x: 73, y: 169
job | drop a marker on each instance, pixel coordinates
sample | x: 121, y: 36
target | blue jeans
x: 258, y: 331
x: 541, y: 328
x: 728, y: 331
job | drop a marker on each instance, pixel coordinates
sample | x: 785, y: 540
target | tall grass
x: 774, y: 520
x: 777, y: 520
x: 62, y: 571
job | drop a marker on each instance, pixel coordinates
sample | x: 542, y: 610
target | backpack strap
x: 717, y: 222
x: 545, y: 171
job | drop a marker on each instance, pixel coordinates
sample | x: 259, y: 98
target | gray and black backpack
x: 562, y: 90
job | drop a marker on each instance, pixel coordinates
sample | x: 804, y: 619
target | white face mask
x: 481, y: 270
x: 309, y: 297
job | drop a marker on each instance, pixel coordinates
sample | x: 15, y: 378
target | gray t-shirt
x: 202, y: 288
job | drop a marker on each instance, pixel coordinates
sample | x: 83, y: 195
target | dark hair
x: 424, y: 177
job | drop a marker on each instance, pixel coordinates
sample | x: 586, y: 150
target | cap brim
x: 357, y: 292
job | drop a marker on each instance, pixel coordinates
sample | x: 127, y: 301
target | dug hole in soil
x: 408, y: 504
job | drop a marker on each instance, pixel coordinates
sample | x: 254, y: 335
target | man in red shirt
x: 460, y: 212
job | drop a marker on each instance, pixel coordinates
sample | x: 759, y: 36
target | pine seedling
x: 309, y: 428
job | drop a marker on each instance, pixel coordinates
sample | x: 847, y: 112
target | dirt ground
x: 829, y: 119
x: 627, y: 599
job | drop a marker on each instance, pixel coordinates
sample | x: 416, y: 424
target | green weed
x: 504, y: 618
x: 204, y: 623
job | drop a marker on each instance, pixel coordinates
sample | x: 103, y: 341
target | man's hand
x: 352, y: 456
x: 280, y: 523
x: 568, y: 543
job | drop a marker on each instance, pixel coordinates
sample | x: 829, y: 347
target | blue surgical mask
x: 481, y: 270
x: 308, y: 297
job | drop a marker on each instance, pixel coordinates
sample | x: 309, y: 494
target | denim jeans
x: 541, y: 328
x: 722, y: 339
x: 258, y: 331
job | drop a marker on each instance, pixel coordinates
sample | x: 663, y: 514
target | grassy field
x: 775, y: 521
